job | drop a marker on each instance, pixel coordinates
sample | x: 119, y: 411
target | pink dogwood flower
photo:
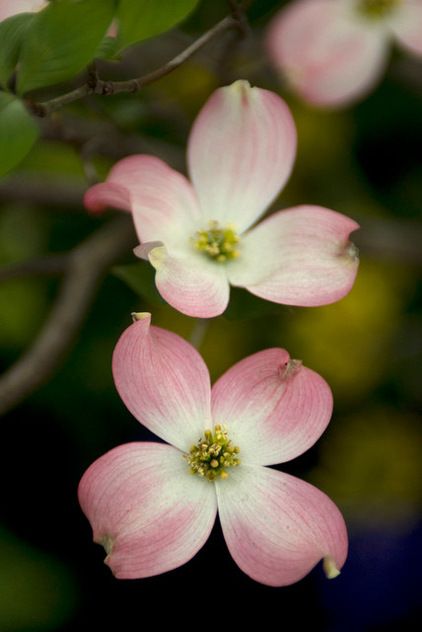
x: 333, y: 52
x: 13, y: 7
x: 198, y: 237
x: 152, y: 505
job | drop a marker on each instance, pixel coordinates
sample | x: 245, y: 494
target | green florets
x: 377, y: 9
x: 218, y: 243
x: 212, y: 454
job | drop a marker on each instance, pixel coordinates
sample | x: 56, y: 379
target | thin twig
x: 86, y: 266
x: 95, y: 85
x: 199, y: 331
x: 36, y: 190
x: 44, y: 266
x: 106, y: 140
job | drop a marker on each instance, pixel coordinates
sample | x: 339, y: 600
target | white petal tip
x: 242, y: 91
x: 140, y: 316
x: 241, y: 85
x: 157, y: 256
x: 330, y: 569
x: 107, y: 542
x: 351, y: 252
x: 142, y: 251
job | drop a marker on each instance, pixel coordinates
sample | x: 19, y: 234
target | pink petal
x: 145, y: 508
x: 240, y: 153
x: 13, y: 7
x: 107, y: 194
x: 329, y: 57
x: 191, y: 284
x: 278, y: 527
x: 299, y: 256
x: 163, y: 381
x: 407, y: 26
x: 162, y: 200
x: 274, y: 408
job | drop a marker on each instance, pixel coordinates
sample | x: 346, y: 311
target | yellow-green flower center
x: 377, y: 9
x: 217, y: 242
x: 213, y: 454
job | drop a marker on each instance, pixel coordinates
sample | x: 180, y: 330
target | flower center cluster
x: 376, y: 9
x: 212, y: 454
x: 217, y: 242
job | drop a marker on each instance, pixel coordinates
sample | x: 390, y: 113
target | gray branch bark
x: 86, y: 266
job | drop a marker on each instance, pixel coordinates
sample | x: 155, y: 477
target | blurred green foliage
x: 146, y: 18
x: 18, y: 132
x: 382, y: 483
x: 37, y: 592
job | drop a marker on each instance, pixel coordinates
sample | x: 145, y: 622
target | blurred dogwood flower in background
x: 240, y: 153
x: 152, y: 505
x: 13, y: 7
x: 333, y: 52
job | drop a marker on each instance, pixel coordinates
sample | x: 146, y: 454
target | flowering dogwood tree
x: 242, y: 256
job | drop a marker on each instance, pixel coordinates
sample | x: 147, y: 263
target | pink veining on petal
x: 275, y: 408
x: 407, y: 26
x: 308, y: 259
x: 146, y: 509
x: 163, y: 381
x: 240, y: 153
x: 191, y: 284
x: 107, y: 194
x: 162, y: 201
x: 277, y: 527
x: 329, y: 57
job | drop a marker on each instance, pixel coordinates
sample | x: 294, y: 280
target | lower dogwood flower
x: 198, y: 236
x: 152, y: 505
x: 334, y: 51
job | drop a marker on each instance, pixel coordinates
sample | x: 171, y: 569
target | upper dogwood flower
x: 13, y: 7
x: 334, y: 51
x: 240, y: 154
x: 152, y: 505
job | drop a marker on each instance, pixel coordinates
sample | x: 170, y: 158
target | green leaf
x: 18, y: 132
x: 12, y: 35
x: 61, y: 41
x: 141, y: 19
x: 140, y: 278
x: 107, y: 48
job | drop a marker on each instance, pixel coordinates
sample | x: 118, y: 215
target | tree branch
x: 42, y: 191
x: 44, y: 266
x: 95, y: 85
x: 87, y: 264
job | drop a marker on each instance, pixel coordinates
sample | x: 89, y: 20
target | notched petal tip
x: 142, y: 251
x: 243, y: 88
x: 140, y: 316
x: 330, y: 569
x: 350, y: 251
x: 157, y: 256
x: 107, y: 542
x: 289, y: 369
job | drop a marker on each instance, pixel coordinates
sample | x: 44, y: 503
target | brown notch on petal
x: 289, y: 369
